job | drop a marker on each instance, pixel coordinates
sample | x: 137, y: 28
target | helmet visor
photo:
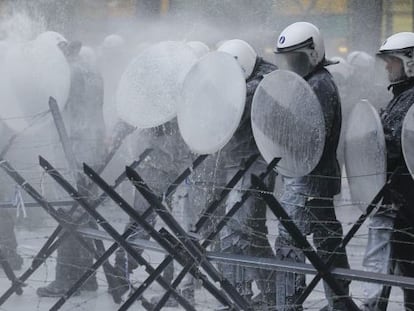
x: 296, y: 61
x: 392, y: 66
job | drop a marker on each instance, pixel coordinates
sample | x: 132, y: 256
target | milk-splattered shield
x: 11, y: 113
x: 407, y: 140
x: 365, y: 154
x: 150, y: 88
x: 287, y: 122
x: 36, y: 70
x: 214, y: 94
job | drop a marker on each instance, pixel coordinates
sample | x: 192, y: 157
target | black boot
x: 54, y: 289
x: 70, y: 266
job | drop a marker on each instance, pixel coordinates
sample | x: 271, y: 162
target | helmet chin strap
x: 401, y: 81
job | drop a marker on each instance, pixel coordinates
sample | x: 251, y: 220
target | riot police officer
x: 390, y: 235
x: 246, y: 232
x: 309, y: 199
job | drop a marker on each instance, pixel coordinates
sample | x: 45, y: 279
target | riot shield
x: 150, y: 87
x: 11, y: 113
x: 407, y: 140
x: 287, y: 122
x: 52, y: 37
x: 8, y: 103
x: 214, y: 94
x: 365, y: 154
x: 36, y: 70
x: 199, y: 48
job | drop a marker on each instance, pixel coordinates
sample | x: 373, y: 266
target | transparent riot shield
x: 150, y: 87
x: 407, y: 140
x: 287, y: 122
x: 214, y: 94
x: 365, y: 154
x: 11, y: 113
x: 35, y: 71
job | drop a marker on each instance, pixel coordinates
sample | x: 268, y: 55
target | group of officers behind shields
x: 308, y: 200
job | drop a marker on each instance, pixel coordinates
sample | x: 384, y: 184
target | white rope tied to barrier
x: 18, y: 202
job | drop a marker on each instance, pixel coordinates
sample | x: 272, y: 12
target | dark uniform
x: 308, y: 200
x: 168, y: 158
x: 8, y: 242
x: 84, y: 122
x: 390, y: 240
x: 246, y: 232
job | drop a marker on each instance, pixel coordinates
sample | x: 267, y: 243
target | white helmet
x: 51, y: 37
x: 360, y: 59
x: 88, y: 55
x: 199, y: 48
x: 113, y: 41
x: 243, y: 52
x: 305, y: 41
x: 401, y: 46
x: 341, y: 70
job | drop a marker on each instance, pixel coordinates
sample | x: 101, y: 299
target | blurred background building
x: 347, y: 24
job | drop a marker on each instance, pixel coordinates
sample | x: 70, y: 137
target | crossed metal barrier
x: 184, y: 247
x: 141, y: 221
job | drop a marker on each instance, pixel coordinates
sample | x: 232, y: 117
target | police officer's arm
x: 329, y: 100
